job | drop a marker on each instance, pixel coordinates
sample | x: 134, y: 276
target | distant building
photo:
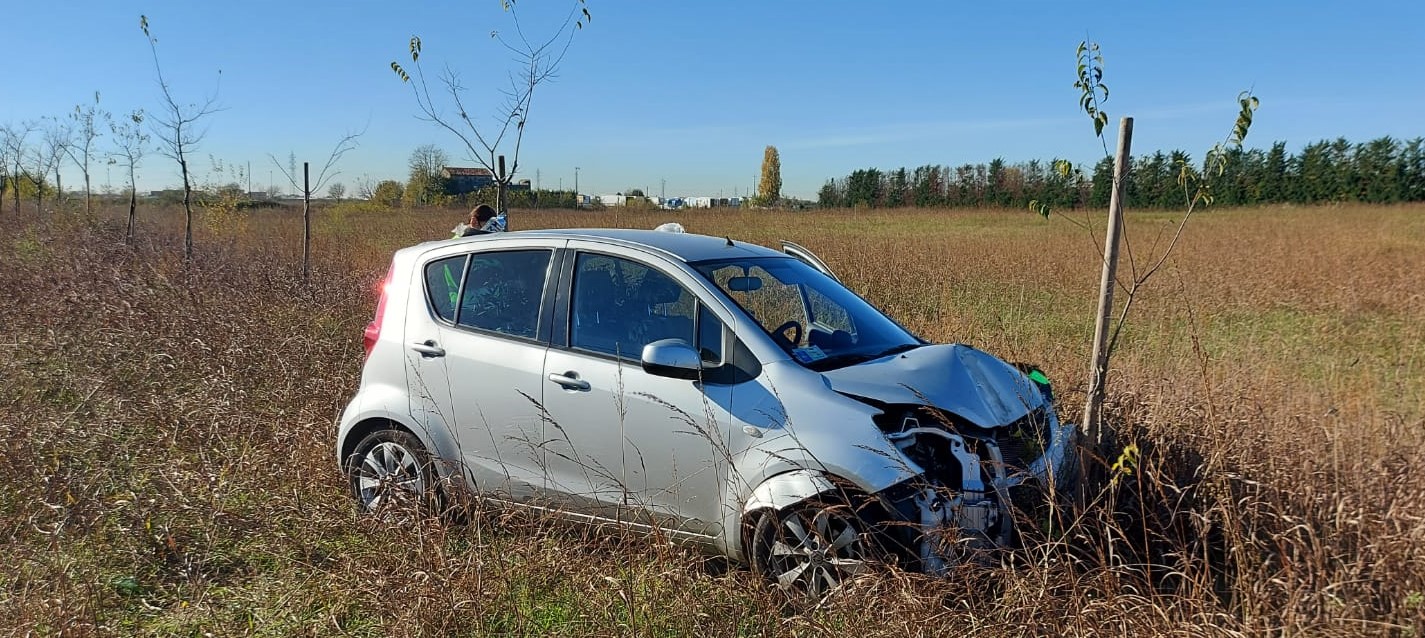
x: 460, y: 180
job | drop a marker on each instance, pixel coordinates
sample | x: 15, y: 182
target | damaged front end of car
x: 981, y: 437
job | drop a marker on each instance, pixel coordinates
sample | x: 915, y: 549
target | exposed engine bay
x: 961, y: 504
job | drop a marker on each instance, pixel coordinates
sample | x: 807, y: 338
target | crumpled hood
x: 977, y: 386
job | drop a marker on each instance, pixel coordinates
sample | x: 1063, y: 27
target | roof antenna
x: 729, y: 241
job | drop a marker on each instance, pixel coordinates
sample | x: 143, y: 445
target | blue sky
x: 691, y: 93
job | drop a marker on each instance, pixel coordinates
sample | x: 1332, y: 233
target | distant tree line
x: 1381, y: 171
x: 432, y: 192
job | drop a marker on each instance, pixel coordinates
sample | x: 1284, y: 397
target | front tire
x: 809, y: 549
x: 392, y: 471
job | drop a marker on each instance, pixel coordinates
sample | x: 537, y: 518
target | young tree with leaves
x: 1197, y: 191
x: 537, y: 62
x: 388, y: 193
x: 426, y: 184
x: 769, y: 188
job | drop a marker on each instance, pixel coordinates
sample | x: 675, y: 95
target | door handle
x: 569, y: 380
x: 428, y: 348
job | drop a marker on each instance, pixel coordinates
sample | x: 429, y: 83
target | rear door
x: 477, y: 340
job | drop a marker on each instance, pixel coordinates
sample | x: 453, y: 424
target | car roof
x: 686, y: 247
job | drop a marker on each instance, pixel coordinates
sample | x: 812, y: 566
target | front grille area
x: 1013, y: 449
x: 1022, y: 442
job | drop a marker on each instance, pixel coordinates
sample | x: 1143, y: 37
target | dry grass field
x: 167, y: 432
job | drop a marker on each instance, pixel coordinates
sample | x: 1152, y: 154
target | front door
x: 623, y: 442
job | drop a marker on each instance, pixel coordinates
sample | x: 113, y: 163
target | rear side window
x: 502, y: 292
x: 496, y: 291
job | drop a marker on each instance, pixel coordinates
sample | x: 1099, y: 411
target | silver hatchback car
x: 729, y: 394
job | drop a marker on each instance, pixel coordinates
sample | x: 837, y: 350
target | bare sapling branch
x: 14, y: 150
x: 178, y: 131
x: 345, y: 144
x: 536, y: 61
x: 328, y: 171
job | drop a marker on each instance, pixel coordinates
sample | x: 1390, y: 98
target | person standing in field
x: 483, y: 220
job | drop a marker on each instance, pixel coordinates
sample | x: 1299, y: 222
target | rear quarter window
x: 443, y: 285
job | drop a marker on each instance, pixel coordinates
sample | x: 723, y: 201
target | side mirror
x: 673, y: 358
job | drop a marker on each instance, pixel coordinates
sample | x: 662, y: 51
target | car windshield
x: 815, y: 319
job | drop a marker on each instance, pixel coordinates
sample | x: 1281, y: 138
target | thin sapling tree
x: 536, y: 61
x: 306, y: 187
x: 130, y: 145
x: 87, y: 120
x: 1196, y: 190
x: 179, y: 132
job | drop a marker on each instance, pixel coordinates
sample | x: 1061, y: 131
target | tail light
x: 373, y: 329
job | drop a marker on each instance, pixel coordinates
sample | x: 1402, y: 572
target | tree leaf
x: 1040, y: 208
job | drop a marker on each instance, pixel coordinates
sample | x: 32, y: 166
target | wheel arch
x: 795, y: 487
x: 364, y: 428
x: 445, y: 464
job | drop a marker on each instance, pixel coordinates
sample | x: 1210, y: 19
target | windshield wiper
x: 904, y: 347
x: 852, y: 358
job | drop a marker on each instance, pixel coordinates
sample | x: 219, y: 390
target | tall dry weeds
x: 168, y: 428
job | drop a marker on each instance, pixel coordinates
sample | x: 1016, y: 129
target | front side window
x: 618, y: 306
x: 495, y: 291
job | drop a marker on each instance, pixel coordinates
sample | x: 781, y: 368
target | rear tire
x: 392, y: 471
